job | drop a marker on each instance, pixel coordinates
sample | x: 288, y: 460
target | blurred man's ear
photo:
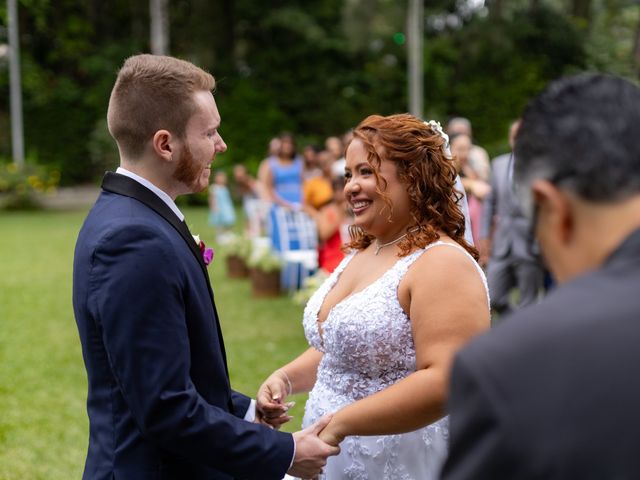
x: 554, y: 211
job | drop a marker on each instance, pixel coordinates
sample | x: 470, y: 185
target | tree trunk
x: 636, y: 49
x: 159, y: 16
x: 495, y: 9
x: 229, y: 38
x: 581, y: 10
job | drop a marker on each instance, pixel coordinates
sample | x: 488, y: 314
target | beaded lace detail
x: 368, y: 345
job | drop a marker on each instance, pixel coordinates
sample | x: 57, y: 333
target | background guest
x: 475, y: 187
x: 478, y: 156
x: 221, y: 213
x: 326, y: 205
x: 506, y: 237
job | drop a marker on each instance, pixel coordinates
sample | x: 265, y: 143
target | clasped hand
x: 313, y: 444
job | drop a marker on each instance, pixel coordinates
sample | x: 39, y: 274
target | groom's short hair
x: 151, y: 93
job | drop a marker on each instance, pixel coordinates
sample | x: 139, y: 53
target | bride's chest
x: 368, y: 326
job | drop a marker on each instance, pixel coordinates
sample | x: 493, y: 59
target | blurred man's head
x: 459, y: 125
x: 239, y: 171
x: 460, y: 144
x: 577, y: 169
x: 310, y: 156
x: 326, y: 159
x: 335, y: 146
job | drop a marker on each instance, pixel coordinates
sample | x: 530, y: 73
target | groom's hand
x: 331, y: 436
x: 311, y: 452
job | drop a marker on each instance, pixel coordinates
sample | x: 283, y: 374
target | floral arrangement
x: 21, y: 188
x: 239, y: 246
x: 309, y: 287
x: 207, y: 253
x: 265, y: 261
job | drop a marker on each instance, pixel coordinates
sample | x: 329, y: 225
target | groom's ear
x: 163, y: 145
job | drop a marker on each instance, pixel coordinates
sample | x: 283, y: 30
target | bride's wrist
x: 287, y: 381
x: 333, y: 432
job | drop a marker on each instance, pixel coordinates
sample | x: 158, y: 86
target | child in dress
x: 221, y: 213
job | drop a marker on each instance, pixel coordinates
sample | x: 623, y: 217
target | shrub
x: 22, y: 188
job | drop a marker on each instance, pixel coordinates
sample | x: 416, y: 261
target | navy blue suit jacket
x: 160, y: 404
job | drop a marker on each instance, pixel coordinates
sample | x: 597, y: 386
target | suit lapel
x: 123, y: 185
x: 128, y: 187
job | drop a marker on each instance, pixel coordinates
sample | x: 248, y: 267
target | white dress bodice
x: 367, y: 344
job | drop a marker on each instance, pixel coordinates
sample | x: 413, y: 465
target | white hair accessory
x: 437, y: 128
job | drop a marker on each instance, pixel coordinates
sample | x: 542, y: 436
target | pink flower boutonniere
x: 207, y: 253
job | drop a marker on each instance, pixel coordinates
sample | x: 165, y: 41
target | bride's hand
x: 271, y: 407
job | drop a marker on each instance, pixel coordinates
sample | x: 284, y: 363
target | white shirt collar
x: 163, y: 196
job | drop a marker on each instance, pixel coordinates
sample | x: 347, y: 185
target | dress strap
x: 343, y: 263
x: 473, y: 260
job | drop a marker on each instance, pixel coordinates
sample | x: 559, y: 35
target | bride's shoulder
x: 444, y: 259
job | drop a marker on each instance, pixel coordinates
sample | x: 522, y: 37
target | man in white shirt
x: 160, y: 403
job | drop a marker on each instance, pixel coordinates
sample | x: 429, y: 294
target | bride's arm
x: 297, y: 376
x: 447, y: 304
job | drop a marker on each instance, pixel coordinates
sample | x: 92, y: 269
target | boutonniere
x: 207, y: 253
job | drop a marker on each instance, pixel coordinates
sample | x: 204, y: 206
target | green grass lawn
x: 43, y: 422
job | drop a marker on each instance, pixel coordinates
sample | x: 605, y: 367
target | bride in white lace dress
x: 384, y: 327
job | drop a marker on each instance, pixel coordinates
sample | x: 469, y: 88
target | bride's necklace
x: 380, y: 246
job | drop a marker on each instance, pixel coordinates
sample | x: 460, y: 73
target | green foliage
x: 251, y: 118
x: 103, y: 151
x: 489, y: 69
x: 315, y: 68
x: 309, y: 287
x: 21, y: 188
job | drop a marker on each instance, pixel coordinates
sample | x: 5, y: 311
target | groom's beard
x: 188, y: 171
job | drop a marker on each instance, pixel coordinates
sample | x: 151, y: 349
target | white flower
x: 437, y: 128
x: 196, y: 238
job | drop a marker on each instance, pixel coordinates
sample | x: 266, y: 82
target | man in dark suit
x: 505, y: 237
x: 552, y: 393
x: 160, y: 404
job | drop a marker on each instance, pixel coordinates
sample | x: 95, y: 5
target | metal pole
x: 159, y: 27
x: 415, y: 42
x: 15, y: 88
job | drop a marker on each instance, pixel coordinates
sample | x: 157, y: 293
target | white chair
x: 298, y: 245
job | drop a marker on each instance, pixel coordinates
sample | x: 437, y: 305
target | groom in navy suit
x: 160, y: 404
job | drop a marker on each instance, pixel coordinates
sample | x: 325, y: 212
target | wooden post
x: 158, y: 10
x: 15, y: 86
x: 415, y: 42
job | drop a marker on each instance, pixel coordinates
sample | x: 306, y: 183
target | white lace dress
x: 368, y: 346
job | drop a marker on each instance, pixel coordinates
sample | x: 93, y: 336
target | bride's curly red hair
x: 429, y: 177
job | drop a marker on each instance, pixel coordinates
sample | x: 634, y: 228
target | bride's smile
x: 377, y: 197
